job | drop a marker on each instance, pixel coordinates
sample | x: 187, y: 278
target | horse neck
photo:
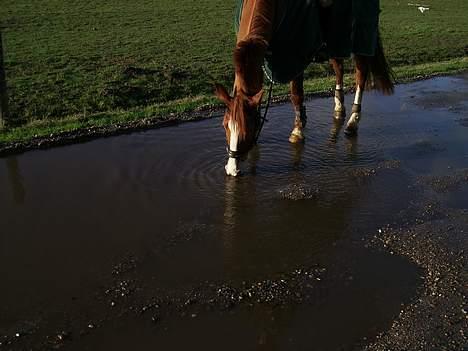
x: 255, y: 29
x: 249, y: 80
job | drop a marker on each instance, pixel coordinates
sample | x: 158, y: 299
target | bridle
x: 260, y: 121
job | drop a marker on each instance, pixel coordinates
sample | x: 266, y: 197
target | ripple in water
x: 191, y: 158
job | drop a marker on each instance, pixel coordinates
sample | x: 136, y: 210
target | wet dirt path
x: 140, y: 241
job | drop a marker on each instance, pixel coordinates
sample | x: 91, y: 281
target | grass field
x: 76, y: 63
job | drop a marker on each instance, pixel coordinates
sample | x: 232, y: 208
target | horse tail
x: 381, y: 74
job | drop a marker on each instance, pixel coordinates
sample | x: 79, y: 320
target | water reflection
x: 232, y: 189
x: 352, y: 147
x: 297, y: 151
x: 336, y: 129
x: 230, y: 203
x: 16, y: 180
x: 253, y: 158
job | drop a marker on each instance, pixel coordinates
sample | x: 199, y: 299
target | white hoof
x: 340, y: 114
x: 351, y: 130
x: 296, y: 137
x: 340, y: 110
x: 353, y: 123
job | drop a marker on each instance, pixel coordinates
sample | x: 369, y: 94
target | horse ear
x: 256, y: 100
x: 222, y: 94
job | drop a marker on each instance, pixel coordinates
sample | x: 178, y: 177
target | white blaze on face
x: 231, y: 167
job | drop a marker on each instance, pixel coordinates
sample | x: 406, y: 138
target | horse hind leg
x: 362, y: 69
x: 300, y: 120
x: 338, y: 67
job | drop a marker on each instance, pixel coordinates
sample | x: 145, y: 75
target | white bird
x: 423, y: 9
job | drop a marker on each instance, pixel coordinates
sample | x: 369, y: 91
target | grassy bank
x: 182, y: 108
x: 76, y: 64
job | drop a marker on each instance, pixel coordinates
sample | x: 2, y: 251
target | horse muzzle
x: 234, y: 157
x: 232, y: 168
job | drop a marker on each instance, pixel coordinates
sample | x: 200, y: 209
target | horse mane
x: 248, y: 59
x: 249, y: 54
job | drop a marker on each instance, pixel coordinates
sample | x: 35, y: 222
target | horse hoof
x: 351, y: 131
x: 232, y: 173
x: 340, y: 114
x: 296, y: 139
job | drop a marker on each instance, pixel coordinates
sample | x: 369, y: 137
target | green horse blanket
x: 351, y: 27
x: 295, y: 41
x: 301, y: 28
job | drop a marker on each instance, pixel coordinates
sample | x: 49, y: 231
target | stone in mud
x: 365, y: 172
x: 443, y: 184
x: 437, y: 247
x: 128, y: 264
x: 297, y: 192
x: 62, y: 336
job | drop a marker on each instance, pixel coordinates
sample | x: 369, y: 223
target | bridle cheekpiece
x: 260, y: 121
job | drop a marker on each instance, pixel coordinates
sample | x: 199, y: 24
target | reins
x: 264, y: 118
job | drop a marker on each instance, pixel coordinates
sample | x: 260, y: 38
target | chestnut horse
x: 345, y: 29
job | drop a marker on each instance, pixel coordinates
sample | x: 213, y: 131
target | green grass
x: 74, y: 63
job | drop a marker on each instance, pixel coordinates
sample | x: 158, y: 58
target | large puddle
x: 70, y: 215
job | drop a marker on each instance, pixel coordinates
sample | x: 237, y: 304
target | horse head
x: 241, y: 123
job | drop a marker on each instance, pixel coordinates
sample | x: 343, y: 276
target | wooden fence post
x: 3, y: 89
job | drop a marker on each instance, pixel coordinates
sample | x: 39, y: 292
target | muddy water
x: 93, y: 234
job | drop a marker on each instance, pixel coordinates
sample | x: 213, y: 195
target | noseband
x: 260, y: 122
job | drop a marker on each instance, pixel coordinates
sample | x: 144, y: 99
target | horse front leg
x: 338, y: 67
x: 362, y: 70
x: 300, y: 120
